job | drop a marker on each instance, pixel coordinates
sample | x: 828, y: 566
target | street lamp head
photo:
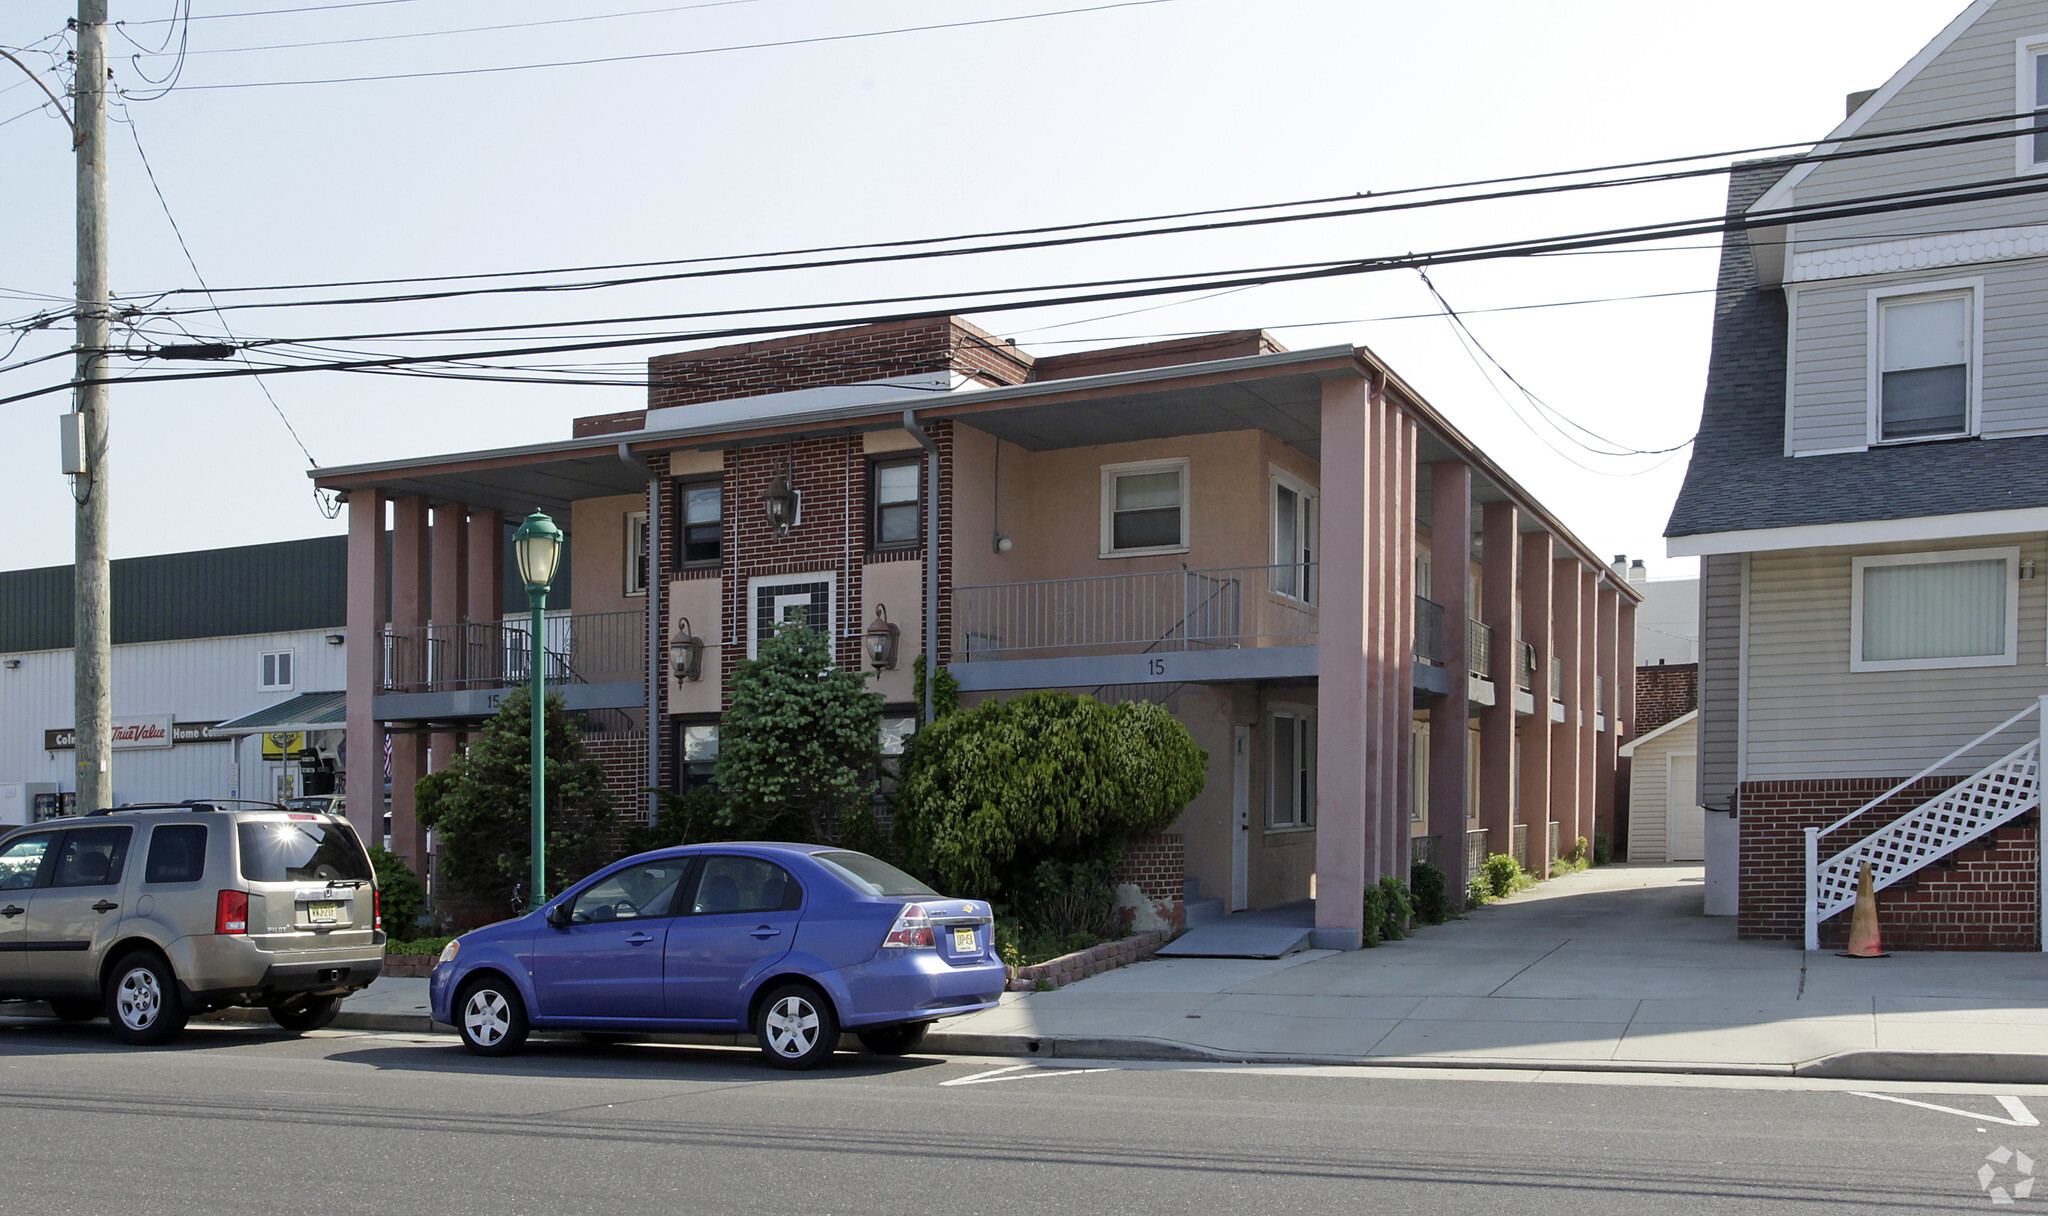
x: 538, y: 547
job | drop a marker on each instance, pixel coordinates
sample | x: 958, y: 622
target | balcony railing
x: 1557, y: 677
x: 1525, y: 666
x: 578, y: 648
x: 1137, y: 613
x: 1479, y: 653
x: 1429, y: 631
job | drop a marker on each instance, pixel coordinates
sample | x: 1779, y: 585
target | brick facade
x: 624, y: 757
x: 1984, y: 896
x: 1665, y: 692
x: 1157, y: 867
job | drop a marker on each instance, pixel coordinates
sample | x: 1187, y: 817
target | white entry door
x: 1685, y: 820
x: 1241, y: 818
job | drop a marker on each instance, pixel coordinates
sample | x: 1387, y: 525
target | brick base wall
x: 1984, y: 896
x: 624, y: 757
x: 1152, y: 885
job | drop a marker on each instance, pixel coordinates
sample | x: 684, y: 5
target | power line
x: 272, y: 12
x: 709, y: 50
x: 472, y: 29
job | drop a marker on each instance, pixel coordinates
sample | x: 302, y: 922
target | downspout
x: 654, y: 629
x: 931, y: 560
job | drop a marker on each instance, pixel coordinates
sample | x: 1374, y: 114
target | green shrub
x: 1603, y: 848
x: 1503, y: 874
x: 991, y: 794
x: 417, y: 945
x: 1579, y: 852
x: 1073, y: 898
x: 404, y: 896
x: 1431, y: 892
x: 1375, y: 920
x: 688, y: 818
x: 1477, y: 892
x: 799, y: 744
x: 1400, y: 911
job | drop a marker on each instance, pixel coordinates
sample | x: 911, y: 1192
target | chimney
x: 1857, y: 99
x: 1620, y: 565
x: 1638, y: 572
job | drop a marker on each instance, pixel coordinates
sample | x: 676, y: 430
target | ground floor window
x: 696, y: 753
x: 1291, y: 770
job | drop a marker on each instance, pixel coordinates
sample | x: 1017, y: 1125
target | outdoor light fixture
x: 881, y: 637
x: 12, y: 664
x: 1001, y: 543
x: 784, y: 501
x: 538, y: 546
x: 336, y: 639
x: 686, y: 653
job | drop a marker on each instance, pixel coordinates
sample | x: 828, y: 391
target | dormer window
x: 1923, y: 363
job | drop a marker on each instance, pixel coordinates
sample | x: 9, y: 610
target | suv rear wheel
x: 302, y: 1013
x: 142, y: 1000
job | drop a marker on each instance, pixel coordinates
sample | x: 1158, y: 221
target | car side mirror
x: 558, y: 916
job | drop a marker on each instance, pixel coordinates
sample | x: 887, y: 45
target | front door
x: 20, y: 863
x: 605, y: 964
x: 1685, y: 821
x: 78, y: 905
x: 741, y: 919
x: 1241, y: 817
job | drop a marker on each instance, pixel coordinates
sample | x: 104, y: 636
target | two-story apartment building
x: 1866, y: 500
x: 1385, y: 644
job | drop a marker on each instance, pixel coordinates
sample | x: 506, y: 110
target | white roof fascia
x: 1780, y: 195
x: 1861, y: 532
x: 1629, y: 748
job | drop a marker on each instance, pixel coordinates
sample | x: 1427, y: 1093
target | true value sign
x: 158, y: 731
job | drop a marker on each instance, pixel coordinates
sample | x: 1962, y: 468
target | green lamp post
x: 538, y: 547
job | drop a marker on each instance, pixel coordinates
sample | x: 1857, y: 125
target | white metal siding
x: 1811, y: 717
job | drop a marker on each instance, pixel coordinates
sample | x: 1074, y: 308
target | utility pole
x: 86, y: 431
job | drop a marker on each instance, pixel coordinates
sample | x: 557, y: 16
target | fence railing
x: 1475, y: 852
x: 1525, y: 666
x: 1429, y: 631
x: 1479, y: 651
x: 1141, y: 613
x: 578, y: 648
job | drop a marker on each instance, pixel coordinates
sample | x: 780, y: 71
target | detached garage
x: 1665, y: 819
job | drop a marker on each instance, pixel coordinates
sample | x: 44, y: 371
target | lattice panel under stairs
x: 1989, y: 799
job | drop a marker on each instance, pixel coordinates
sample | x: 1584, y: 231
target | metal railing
x: 1429, y: 631
x: 1551, y: 843
x: 1137, y: 613
x: 1422, y: 849
x: 578, y: 648
x: 1479, y: 651
x: 1520, y: 848
x: 1525, y: 666
x: 1475, y: 852
x: 1557, y: 677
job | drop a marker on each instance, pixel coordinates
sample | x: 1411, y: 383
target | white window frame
x: 831, y: 580
x: 1302, y: 819
x: 1110, y: 473
x: 2024, y: 101
x: 635, y: 584
x: 1308, y: 501
x: 291, y: 663
x: 2010, y: 554
x: 1878, y: 298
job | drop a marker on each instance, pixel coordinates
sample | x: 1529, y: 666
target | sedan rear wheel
x: 490, y: 1017
x: 142, y: 1000
x: 796, y: 1026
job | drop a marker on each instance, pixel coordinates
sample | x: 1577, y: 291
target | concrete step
x: 1238, y: 939
x: 1203, y: 911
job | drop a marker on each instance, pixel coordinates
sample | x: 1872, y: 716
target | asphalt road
x: 246, y: 1119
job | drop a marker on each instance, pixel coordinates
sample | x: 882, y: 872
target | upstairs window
x: 1922, y: 610
x: 1294, y: 539
x: 1144, y: 508
x: 636, y: 553
x: 893, y: 486
x: 275, y: 671
x: 701, y: 505
x: 1922, y: 365
x: 2030, y: 93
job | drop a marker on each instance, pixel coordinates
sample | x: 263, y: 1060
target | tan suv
x: 149, y: 914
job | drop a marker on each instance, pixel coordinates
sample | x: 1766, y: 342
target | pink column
x: 1534, y: 813
x: 1341, y: 656
x: 446, y: 607
x: 1450, y: 557
x: 365, y: 737
x: 1589, y: 666
x: 411, y: 562
x: 1499, y: 588
x: 1564, y: 736
x: 1605, y: 754
x: 1379, y: 761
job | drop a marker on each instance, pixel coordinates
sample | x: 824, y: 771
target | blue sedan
x: 793, y: 942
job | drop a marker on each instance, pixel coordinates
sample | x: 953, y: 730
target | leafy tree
x: 996, y: 799
x: 693, y: 817
x: 478, y: 805
x: 798, y: 748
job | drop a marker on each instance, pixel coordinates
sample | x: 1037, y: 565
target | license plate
x: 328, y: 912
x: 963, y: 941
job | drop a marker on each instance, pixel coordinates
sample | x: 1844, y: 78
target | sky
x: 1131, y: 110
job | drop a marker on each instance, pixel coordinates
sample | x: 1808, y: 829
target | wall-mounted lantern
x: 686, y: 653
x: 785, y: 503
x: 881, y: 637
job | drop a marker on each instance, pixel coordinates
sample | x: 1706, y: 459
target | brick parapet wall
x: 1984, y: 896
x: 1665, y: 692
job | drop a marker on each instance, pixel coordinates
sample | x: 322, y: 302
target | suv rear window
x: 301, y: 851
x: 871, y: 876
x: 177, y: 853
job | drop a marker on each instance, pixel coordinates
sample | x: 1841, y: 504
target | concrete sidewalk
x: 1608, y: 969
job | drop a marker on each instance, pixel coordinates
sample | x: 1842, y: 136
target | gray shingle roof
x: 1740, y: 478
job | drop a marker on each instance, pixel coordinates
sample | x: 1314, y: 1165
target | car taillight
x: 231, y: 912
x: 912, y: 929
x: 377, y: 909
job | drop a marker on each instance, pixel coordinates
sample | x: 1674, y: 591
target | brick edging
x: 409, y: 966
x: 1064, y: 970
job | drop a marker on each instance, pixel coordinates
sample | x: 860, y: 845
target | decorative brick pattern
x: 1984, y: 896
x: 1664, y: 693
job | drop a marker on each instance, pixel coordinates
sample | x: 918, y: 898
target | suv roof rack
x: 190, y: 804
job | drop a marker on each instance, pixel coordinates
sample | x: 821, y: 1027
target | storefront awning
x: 307, y: 711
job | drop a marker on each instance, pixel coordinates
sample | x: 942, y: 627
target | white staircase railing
x: 1989, y: 798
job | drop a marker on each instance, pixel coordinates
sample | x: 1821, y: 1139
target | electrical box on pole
x: 71, y: 443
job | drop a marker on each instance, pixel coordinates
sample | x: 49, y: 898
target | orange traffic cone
x: 1863, y: 921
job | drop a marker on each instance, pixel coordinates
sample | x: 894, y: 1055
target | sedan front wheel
x: 490, y: 1017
